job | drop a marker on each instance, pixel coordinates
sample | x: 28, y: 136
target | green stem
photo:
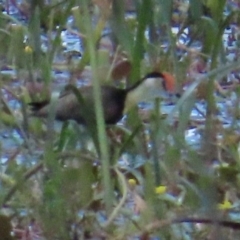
x: 144, y: 16
x: 210, y: 133
x: 154, y: 136
x: 102, y: 137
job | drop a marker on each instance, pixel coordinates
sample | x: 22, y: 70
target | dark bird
x: 116, y: 102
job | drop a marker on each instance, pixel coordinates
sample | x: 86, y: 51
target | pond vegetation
x: 170, y: 169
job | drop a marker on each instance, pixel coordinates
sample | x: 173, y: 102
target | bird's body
x: 68, y: 107
x: 116, y: 102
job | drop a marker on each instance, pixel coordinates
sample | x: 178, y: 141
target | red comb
x: 169, y: 81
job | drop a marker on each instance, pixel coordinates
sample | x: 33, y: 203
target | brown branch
x: 156, y: 225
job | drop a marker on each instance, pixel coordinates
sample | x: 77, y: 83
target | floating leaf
x: 121, y: 69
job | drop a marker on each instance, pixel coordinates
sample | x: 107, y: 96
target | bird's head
x: 159, y: 84
x: 154, y: 84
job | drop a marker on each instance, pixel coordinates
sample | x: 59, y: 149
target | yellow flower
x: 160, y: 189
x: 28, y: 49
x: 225, y: 205
x: 132, y: 182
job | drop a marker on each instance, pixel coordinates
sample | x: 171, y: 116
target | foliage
x: 142, y: 178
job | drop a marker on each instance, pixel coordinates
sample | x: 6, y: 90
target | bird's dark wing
x: 113, y: 100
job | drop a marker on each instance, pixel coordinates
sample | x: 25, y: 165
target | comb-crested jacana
x: 116, y: 102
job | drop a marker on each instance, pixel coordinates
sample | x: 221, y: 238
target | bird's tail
x: 36, y: 106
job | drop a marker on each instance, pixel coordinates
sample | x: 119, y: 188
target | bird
x: 116, y: 102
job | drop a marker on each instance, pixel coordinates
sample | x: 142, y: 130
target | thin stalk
x: 144, y: 16
x: 210, y: 133
x: 154, y: 136
x: 166, y: 12
x: 104, y: 153
x: 117, y: 209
